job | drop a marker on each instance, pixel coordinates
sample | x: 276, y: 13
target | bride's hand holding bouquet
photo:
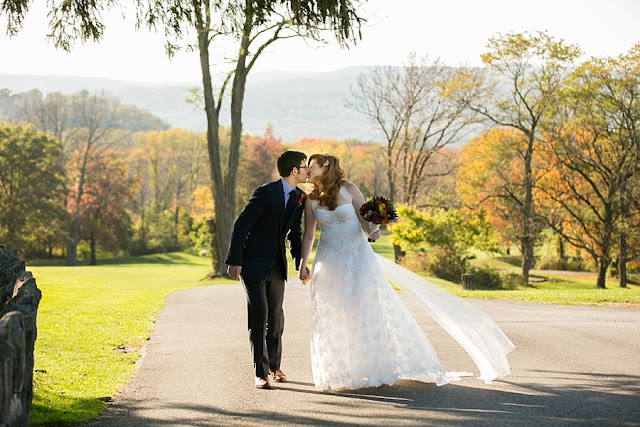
x: 377, y: 210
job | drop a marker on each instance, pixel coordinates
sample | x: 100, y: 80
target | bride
x: 362, y: 335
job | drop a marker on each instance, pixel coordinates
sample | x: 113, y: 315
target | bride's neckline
x: 329, y: 210
x: 347, y: 202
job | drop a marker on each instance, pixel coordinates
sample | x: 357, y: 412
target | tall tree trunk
x: 560, y: 247
x: 72, y: 254
x: 143, y: 220
x: 75, y: 236
x: 222, y: 211
x: 398, y: 253
x: 604, y: 261
x: 92, y: 244
x: 224, y: 218
x: 622, y: 259
x: 224, y: 225
x: 176, y: 220
x: 527, y: 258
x: 75, y: 224
x: 527, y: 214
x: 237, y: 100
x: 603, y: 264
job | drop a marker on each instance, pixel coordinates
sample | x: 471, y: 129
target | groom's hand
x: 234, y: 271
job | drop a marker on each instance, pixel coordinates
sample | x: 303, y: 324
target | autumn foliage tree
x: 93, y: 135
x: 251, y: 25
x: 410, y: 108
x: 518, y: 89
x: 171, y: 164
x: 490, y: 176
x: 594, y: 138
x: 443, y: 237
x: 105, y: 205
x: 258, y: 163
x: 31, y: 190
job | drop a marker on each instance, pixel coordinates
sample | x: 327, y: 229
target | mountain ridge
x: 296, y: 103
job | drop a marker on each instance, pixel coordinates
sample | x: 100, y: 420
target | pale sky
x: 456, y: 31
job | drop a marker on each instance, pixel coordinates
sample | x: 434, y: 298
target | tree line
x: 82, y: 175
x: 206, y: 26
x: 115, y: 178
x: 554, y: 148
x: 421, y: 109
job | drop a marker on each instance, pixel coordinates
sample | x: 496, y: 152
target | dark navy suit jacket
x: 261, y: 228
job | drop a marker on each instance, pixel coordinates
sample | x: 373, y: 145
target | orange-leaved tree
x: 105, y: 204
x: 518, y: 89
x: 258, y: 163
x: 491, y: 177
x: 595, y: 139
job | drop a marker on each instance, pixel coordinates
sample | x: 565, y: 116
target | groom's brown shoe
x: 278, y: 376
x: 262, y: 382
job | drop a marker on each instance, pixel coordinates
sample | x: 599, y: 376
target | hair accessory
x: 326, y: 163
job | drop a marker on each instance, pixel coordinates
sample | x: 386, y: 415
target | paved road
x: 571, y: 366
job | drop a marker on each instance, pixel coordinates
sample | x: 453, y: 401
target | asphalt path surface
x: 571, y: 366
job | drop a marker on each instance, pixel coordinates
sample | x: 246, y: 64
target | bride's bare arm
x: 307, y: 240
x: 357, y: 199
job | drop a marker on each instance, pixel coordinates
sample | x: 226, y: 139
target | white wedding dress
x: 362, y: 335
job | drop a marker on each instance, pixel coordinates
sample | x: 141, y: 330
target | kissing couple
x: 362, y: 335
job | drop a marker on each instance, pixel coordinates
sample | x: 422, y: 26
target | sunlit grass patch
x: 91, y: 322
x: 567, y: 288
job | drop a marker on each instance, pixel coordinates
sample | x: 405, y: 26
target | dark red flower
x: 378, y: 210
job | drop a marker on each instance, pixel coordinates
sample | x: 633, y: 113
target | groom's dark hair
x: 289, y: 160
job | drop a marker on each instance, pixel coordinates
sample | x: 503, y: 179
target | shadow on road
x: 582, y: 398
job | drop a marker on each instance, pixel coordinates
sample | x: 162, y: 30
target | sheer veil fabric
x: 472, y: 328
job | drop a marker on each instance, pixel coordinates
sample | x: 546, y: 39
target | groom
x: 257, y: 256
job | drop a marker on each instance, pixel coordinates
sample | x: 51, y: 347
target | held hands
x: 234, y: 271
x: 304, y: 275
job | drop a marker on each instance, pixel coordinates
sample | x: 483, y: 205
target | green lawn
x: 570, y: 288
x: 499, y: 262
x: 567, y: 288
x: 91, y: 322
x: 555, y: 290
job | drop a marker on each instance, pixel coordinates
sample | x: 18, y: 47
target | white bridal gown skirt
x: 362, y: 335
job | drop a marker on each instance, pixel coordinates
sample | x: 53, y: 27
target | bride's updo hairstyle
x: 332, y: 178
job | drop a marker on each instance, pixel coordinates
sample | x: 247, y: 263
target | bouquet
x: 378, y: 210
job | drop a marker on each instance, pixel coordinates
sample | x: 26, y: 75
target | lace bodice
x: 339, y: 226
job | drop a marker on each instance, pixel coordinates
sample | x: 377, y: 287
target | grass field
x: 553, y: 287
x: 91, y: 322
x: 93, y: 319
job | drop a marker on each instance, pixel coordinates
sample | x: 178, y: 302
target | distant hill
x: 297, y: 104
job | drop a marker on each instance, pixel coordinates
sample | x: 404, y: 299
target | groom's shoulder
x: 271, y: 185
x: 267, y: 188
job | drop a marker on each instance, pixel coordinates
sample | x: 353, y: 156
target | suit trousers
x: 266, y: 319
